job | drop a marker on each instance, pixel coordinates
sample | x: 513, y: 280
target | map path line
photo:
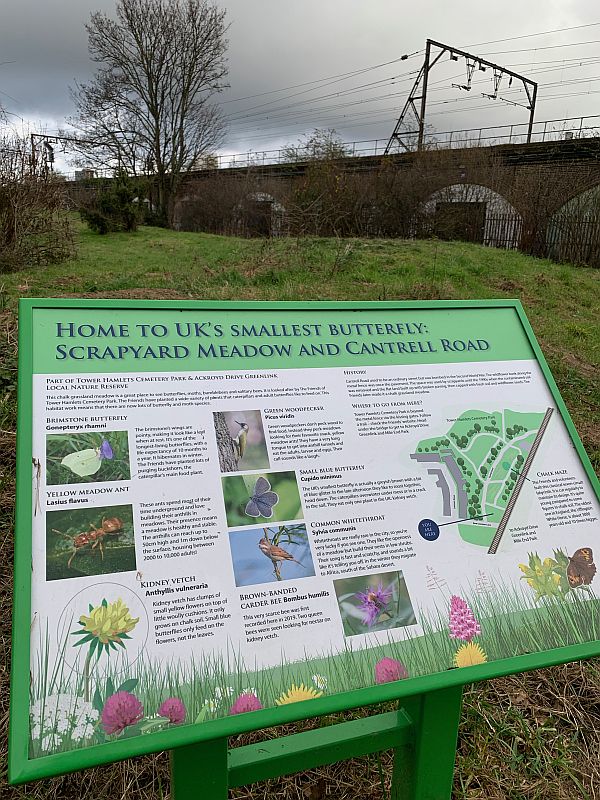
x: 522, y: 476
x: 466, y: 519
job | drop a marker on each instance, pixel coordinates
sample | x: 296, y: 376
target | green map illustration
x: 480, y: 463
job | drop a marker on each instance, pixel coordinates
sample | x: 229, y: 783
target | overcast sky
x: 274, y: 44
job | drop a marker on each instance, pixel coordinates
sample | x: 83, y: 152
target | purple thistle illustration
x: 373, y: 602
x: 245, y: 702
x: 121, y: 710
x: 105, y: 450
x: 173, y: 709
x: 388, y: 669
x: 463, y: 624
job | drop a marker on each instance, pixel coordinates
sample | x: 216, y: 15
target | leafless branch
x: 148, y: 108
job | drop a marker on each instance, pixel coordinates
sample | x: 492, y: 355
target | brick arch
x: 579, y: 198
x: 259, y: 213
x: 540, y: 190
x: 578, y: 188
x: 213, y: 201
x: 474, y: 189
x: 495, y: 222
x: 573, y: 230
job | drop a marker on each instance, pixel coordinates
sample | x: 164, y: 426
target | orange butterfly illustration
x: 581, y: 568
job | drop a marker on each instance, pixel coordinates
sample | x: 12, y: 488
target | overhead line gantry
x: 473, y: 62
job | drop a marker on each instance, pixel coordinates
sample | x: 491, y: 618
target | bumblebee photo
x: 278, y: 553
x: 87, y: 457
x: 240, y: 441
x: 89, y: 541
x: 375, y: 602
x: 267, y: 496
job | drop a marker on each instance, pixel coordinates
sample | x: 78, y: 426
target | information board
x: 225, y: 510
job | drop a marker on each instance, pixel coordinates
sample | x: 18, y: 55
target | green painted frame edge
x: 22, y: 769
x: 20, y: 657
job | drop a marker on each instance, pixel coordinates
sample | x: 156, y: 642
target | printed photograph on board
x: 240, y: 441
x: 278, y: 553
x: 272, y: 496
x: 89, y: 541
x: 87, y: 457
x: 375, y: 602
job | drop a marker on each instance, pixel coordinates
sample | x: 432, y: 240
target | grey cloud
x: 277, y: 43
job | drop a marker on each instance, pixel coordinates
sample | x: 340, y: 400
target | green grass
x: 561, y: 301
x: 530, y: 737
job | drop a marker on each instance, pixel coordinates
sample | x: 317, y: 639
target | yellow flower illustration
x: 469, y: 654
x: 296, y: 693
x: 109, y: 622
x: 548, y: 577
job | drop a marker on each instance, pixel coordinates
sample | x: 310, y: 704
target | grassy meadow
x: 529, y: 737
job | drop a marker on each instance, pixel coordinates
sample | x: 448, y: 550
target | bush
x: 113, y: 208
x: 153, y: 218
x: 34, y: 228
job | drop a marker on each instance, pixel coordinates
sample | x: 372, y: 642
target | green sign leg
x: 424, y: 769
x: 199, y: 771
x: 423, y: 733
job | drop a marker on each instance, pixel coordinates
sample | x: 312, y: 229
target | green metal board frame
x: 206, y: 742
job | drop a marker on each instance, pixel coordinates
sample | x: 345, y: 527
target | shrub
x: 34, y: 228
x: 113, y: 208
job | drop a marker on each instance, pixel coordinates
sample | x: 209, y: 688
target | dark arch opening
x: 471, y: 212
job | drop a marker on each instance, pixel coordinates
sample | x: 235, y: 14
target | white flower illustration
x: 320, y: 681
x: 59, y: 719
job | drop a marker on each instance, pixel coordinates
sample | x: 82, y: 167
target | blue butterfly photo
x: 272, y: 496
x: 263, y: 500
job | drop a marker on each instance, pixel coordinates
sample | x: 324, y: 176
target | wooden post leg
x: 199, y: 771
x: 424, y: 769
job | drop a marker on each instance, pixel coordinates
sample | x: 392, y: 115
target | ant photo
x: 89, y: 541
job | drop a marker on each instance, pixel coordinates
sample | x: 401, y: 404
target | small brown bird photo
x: 277, y: 553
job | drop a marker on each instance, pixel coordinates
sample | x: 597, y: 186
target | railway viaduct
x: 510, y: 195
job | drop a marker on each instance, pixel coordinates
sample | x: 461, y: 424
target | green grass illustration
x: 208, y: 685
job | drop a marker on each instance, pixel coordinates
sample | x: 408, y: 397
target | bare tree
x: 147, y: 109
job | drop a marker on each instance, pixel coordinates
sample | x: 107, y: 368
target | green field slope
x: 532, y: 737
